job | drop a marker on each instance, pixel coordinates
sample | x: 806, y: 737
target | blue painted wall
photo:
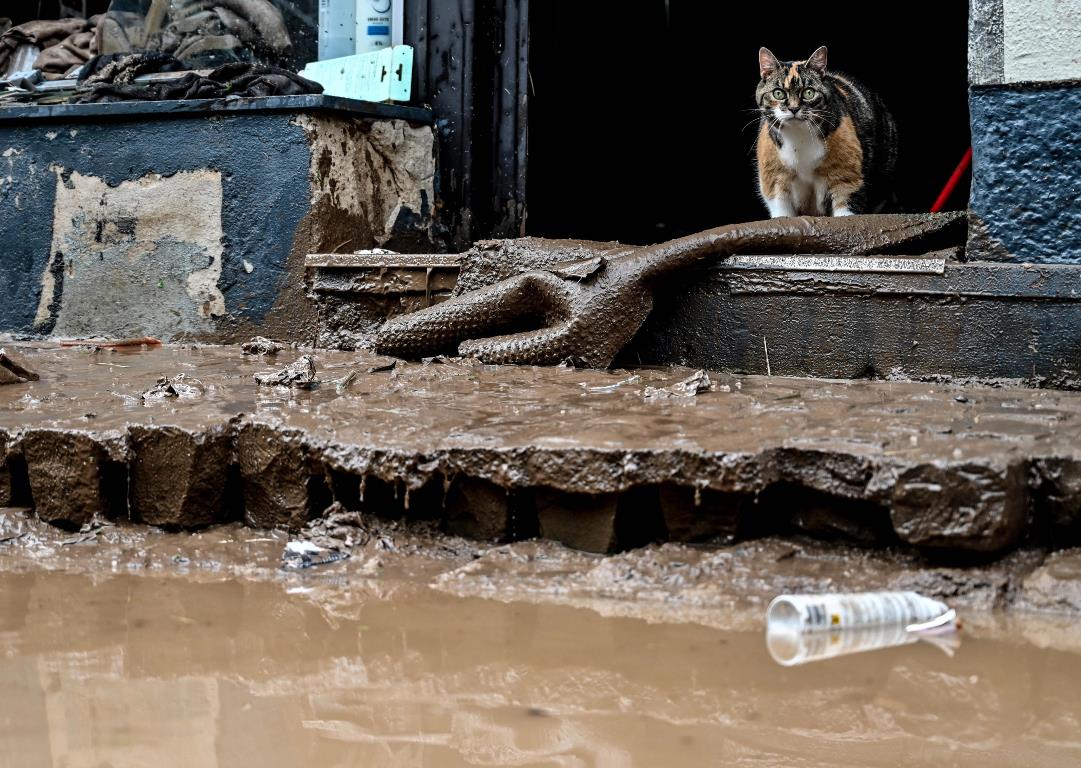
x: 263, y: 159
x: 1026, y: 188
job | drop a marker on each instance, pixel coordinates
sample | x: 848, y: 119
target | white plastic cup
x: 792, y: 650
x: 803, y: 628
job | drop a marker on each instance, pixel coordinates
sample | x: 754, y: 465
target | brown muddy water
x: 119, y: 669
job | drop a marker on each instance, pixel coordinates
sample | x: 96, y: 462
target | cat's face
x: 795, y: 91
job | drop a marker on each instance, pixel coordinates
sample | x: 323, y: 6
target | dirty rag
x: 64, y: 44
x: 122, y: 68
x: 237, y: 79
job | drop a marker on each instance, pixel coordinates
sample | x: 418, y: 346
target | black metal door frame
x: 471, y: 66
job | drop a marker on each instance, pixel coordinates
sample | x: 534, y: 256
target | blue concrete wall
x: 264, y: 164
x: 1026, y: 187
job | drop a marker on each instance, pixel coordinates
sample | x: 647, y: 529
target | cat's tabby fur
x: 827, y: 146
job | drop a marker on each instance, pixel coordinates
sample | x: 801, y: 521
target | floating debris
x: 343, y: 384
x: 385, y: 367
x: 178, y: 386
x: 331, y: 538
x: 300, y: 374
x: 612, y: 387
x: 688, y: 387
x: 142, y: 341
x: 87, y: 532
x: 12, y: 372
x: 804, y: 628
x: 262, y: 346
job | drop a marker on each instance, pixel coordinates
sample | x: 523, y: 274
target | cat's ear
x: 767, y: 62
x: 817, y: 62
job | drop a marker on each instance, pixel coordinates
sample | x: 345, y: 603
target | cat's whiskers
x: 756, y: 121
x: 816, y: 121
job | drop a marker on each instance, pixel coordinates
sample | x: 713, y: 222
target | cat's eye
x: 809, y: 93
x: 778, y: 93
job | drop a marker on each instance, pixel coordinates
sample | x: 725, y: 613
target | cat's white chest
x: 802, y: 152
x: 801, y: 149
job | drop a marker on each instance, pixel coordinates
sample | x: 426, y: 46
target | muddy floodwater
x: 136, y: 670
x: 464, y: 621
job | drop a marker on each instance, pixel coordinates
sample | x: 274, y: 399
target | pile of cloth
x: 198, y: 32
x: 215, y: 48
x: 54, y: 48
x: 116, y: 81
x: 201, y: 33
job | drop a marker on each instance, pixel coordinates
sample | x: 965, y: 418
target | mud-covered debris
x: 612, y: 387
x: 96, y: 344
x: 88, y: 532
x: 592, y: 309
x: 262, y: 346
x: 327, y: 539
x: 688, y: 387
x: 178, y: 386
x: 13, y: 372
x: 299, y: 555
x: 300, y: 374
x: 581, y: 269
x: 384, y: 367
x: 345, y: 382
x: 333, y: 537
x: 339, y: 530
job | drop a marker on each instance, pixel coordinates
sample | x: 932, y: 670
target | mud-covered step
x: 595, y: 459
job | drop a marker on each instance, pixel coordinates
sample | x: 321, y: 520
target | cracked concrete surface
x: 576, y: 455
x: 580, y: 456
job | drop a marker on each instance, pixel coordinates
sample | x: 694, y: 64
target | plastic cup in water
x: 802, y: 628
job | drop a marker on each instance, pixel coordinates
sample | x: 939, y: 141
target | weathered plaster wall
x: 262, y: 164
x: 1041, y: 40
x: 127, y: 257
x: 371, y: 182
x: 196, y: 226
x: 1025, y: 74
x: 1017, y: 41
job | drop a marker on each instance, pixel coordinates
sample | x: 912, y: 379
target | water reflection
x: 129, y: 670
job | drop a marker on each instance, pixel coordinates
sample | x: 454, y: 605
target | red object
x: 951, y: 185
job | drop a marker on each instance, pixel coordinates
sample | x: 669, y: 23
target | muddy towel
x: 237, y: 79
x: 587, y: 310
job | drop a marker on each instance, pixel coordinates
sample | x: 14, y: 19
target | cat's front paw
x: 843, y: 212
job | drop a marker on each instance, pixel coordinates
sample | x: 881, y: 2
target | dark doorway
x: 642, y: 125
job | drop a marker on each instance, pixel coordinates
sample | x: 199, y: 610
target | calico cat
x: 827, y: 146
